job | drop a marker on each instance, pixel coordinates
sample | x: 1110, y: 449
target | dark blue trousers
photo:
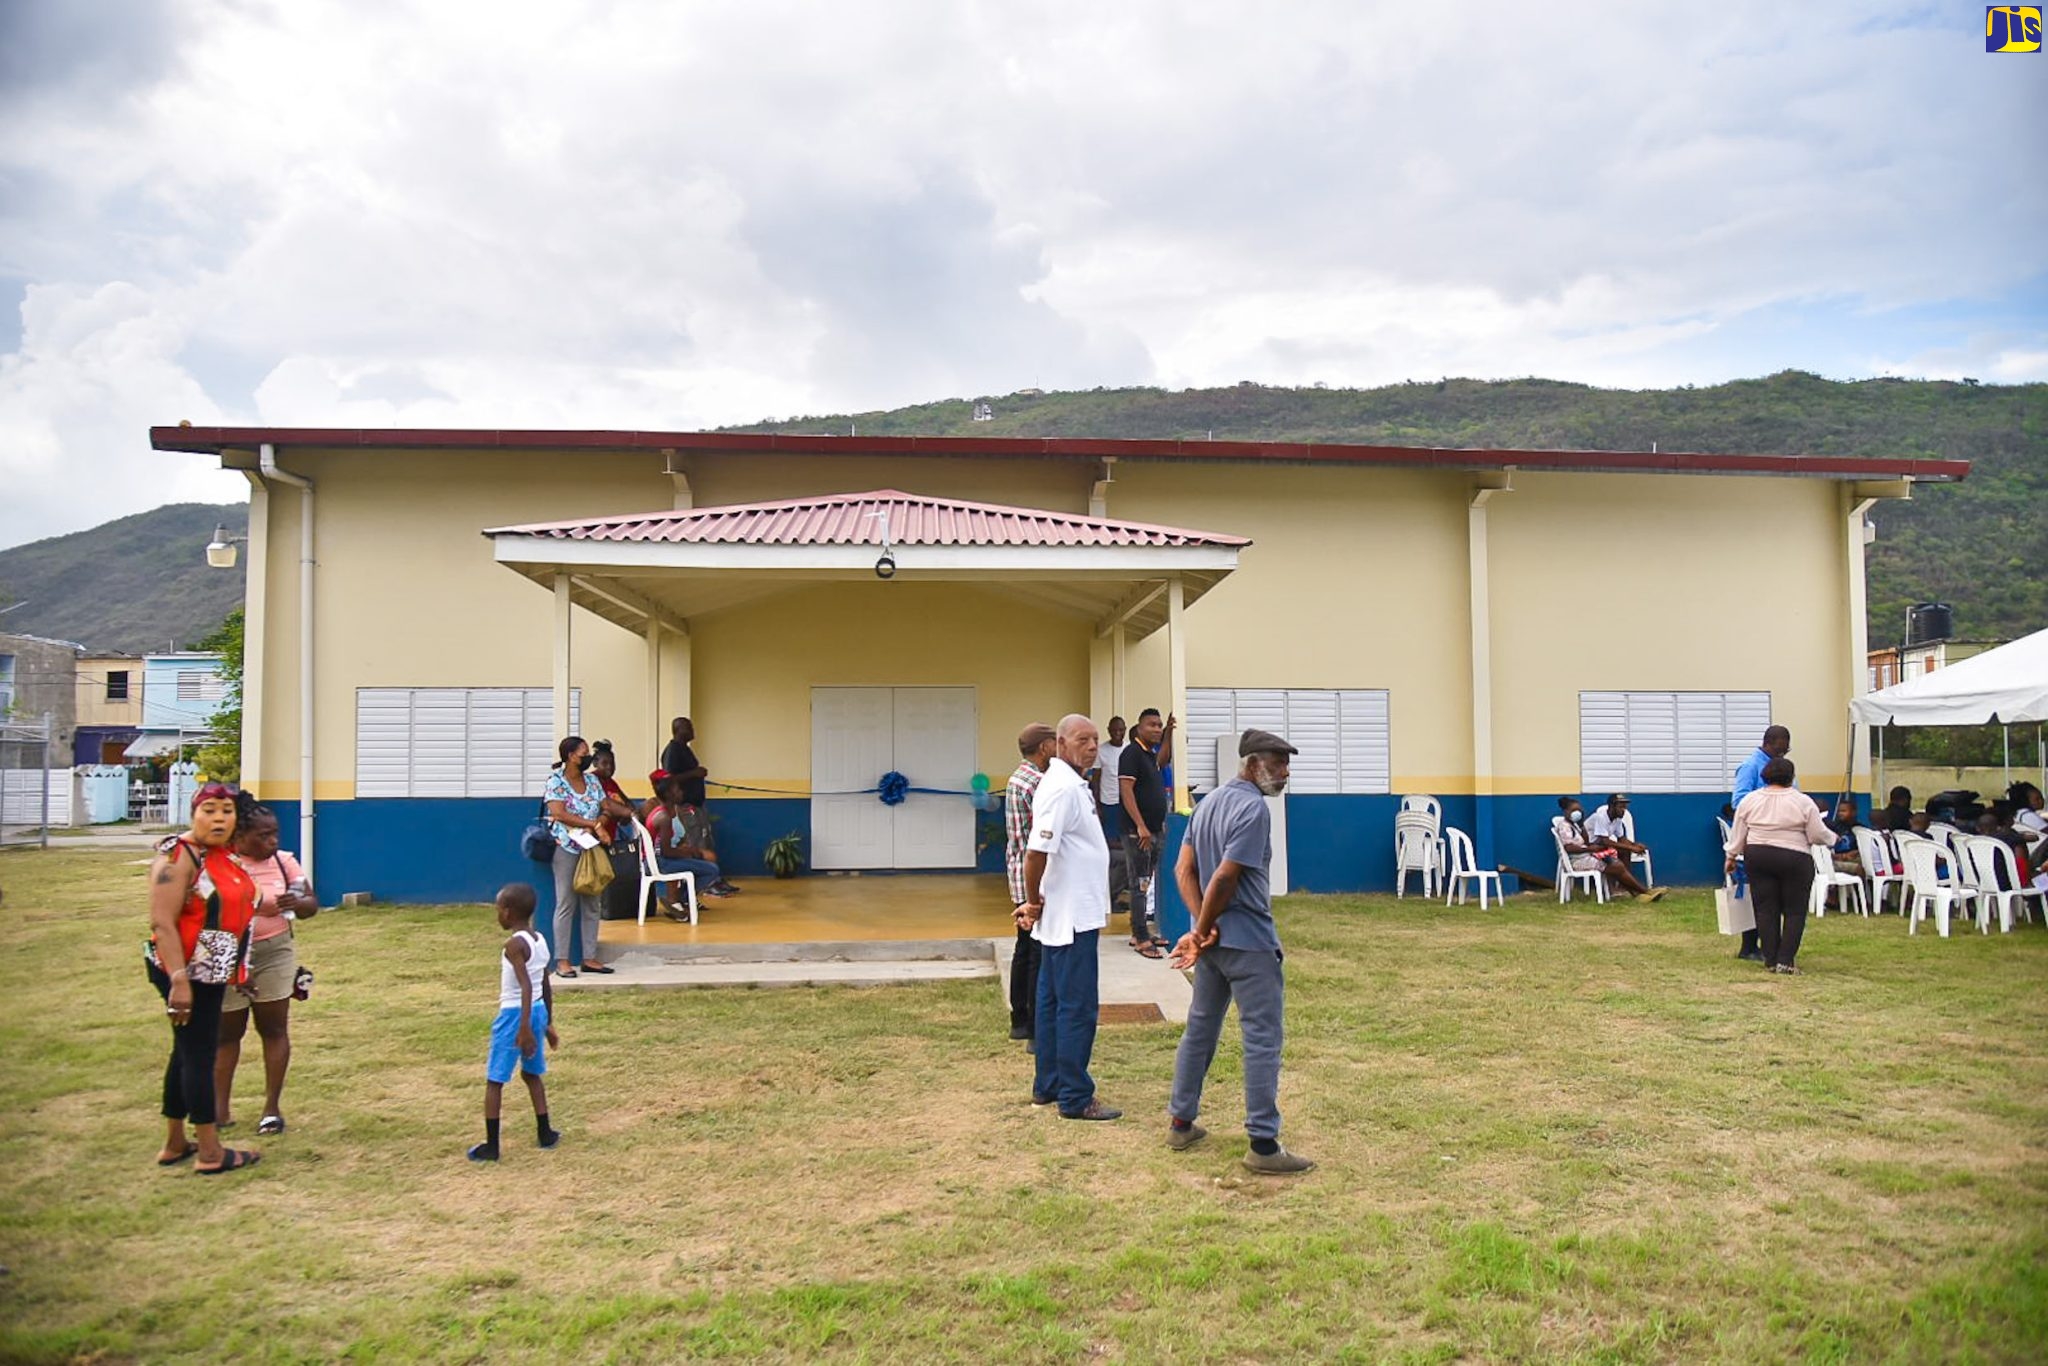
x: 1068, y: 1002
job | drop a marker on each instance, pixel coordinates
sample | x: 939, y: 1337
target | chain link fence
x: 33, y: 795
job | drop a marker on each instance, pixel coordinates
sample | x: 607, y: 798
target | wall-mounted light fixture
x: 220, y: 551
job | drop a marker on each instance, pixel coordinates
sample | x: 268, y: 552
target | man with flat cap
x: 1036, y: 742
x: 1235, y: 952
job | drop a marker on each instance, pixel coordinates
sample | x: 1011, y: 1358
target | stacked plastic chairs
x: 1418, y: 844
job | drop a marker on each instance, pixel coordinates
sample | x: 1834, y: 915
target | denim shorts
x: 505, y: 1055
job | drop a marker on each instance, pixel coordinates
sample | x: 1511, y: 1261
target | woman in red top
x: 192, y: 878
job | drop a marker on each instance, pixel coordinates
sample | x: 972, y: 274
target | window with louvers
x: 457, y: 742
x: 1342, y: 735
x: 1667, y: 741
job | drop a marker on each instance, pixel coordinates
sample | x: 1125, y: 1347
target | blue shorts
x: 505, y: 1054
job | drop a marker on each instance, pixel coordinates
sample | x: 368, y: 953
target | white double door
x: 859, y: 734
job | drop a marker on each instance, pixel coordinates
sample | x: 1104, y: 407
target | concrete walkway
x: 1134, y: 990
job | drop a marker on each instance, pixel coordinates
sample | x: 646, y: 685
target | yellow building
x: 109, y: 707
x: 1491, y: 627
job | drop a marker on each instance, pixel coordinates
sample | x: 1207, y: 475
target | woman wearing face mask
x: 273, y: 964
x: 194, y: 886
x: 1588, y: 853
x: 575, y: 801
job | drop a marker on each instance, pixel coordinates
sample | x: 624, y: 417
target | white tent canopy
x: 1999, y: 687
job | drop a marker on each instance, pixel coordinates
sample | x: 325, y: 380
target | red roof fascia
x: 212, y: 440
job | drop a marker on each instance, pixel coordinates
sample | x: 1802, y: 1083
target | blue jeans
x: 1064, y: 1029
x: 1251, y: 977
x: 703, y: 870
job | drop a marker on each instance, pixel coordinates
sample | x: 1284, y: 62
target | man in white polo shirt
x: 1066, y: 904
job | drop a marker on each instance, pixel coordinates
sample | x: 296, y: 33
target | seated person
x: 2030, y: 818
x: 604, y: 766
x: 1844, y: 823
x: 683, y: 844
x: 1614, y: 826
x: 1898, y: 812
x: 1997, y: 824
x: 1587, y: 854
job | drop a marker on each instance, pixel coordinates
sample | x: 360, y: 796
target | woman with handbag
x: 274, y: 972
x: 200, y: 907
x: 575, y: 802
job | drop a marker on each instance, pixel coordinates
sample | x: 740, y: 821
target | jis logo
x: 2012, y: 28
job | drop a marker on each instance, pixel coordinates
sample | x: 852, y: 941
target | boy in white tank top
x: 525, y: 1003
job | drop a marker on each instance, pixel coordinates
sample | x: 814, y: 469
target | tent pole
x: 2008, y: 754
x: 1881, y: 790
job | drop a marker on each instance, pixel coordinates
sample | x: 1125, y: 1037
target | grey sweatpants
x: 570, y: 907
x: 1251, y: 977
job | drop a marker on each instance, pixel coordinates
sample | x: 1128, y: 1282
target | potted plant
x: 784, y: 856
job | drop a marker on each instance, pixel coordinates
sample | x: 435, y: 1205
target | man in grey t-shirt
x: 1235, y: 952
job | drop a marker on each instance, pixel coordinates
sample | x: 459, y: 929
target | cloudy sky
x: 683, y: 213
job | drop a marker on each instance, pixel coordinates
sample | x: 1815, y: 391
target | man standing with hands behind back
x: 1066, y: 904
x: 1037, y: 744
x: 1235, y: 952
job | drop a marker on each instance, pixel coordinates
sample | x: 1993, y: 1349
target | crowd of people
x: 1085, y: 828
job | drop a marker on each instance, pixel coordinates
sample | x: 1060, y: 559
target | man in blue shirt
x: 1235, y: 952
x: 1777, y: 743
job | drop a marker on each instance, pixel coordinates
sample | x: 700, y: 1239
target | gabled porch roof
x: 637, y: 569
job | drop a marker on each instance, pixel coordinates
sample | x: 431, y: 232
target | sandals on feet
x: 567, y: 972
x: 1147, y: 950
x: 186, y: 1156
x: 271, y: 1124
x: 233, y: 1160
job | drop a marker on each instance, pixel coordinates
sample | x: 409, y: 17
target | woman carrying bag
x: 575, y: 803
x: 200, y: 907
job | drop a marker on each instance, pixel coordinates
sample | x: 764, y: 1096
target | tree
x: 222, y: 760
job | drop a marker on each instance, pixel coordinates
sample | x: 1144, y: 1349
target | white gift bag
x: 1732, y: 909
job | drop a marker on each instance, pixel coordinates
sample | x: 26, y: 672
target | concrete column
x: 1101, y: 681
x: 1119, y: 670
x: 656, y: 736
x: 255, y: 637
x: 1858, y: 776
x: 1177, y: 684
x: 1479, y: 589
x: 561, y: 680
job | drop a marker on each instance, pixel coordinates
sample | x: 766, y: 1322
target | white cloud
x: 680, y: 214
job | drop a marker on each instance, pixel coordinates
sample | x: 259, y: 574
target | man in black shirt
x: 1897, y: 813
x: 1144, y: 803
x: 680, y: 761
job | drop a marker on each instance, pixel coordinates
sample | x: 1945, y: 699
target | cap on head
x: 1618, y: 799
x: 1034, y: 735
x: 1262, y: 742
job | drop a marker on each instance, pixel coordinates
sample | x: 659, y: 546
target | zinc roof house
x: 429, y: 611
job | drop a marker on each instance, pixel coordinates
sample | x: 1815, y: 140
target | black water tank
x: 1929, y: 621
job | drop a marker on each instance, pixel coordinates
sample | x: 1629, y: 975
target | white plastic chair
x: 1946, y: 835
x: 1824, y: 877
x: 1876, y: 853
x: 1983, y: 860
x: 1727, y: 832
x: 1464, y: 867
x: 651, y: 876
x: 1428, y: 806
x: 1628, y: 832
x: 1567, y: 876
x: 1417, y: 849
x: 1926, y: 888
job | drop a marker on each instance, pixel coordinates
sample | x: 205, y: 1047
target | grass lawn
x: 1545, y: 1133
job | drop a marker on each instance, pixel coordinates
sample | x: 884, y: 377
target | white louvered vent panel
x: 1652, y: 742
x: 440, y: 742
x: 383, y: 733
x: 1603, y: 742
x: 1365, y: 741
x: 1749, y: 716
x: 1311, y: 727
x: 1212, y: 714
x: 497, y: 743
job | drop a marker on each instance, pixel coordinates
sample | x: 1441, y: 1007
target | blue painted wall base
x: 464, y: 849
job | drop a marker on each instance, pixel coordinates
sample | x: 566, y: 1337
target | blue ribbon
x: 893, y: 788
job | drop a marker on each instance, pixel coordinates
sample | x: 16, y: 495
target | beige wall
x: 1357, y: 578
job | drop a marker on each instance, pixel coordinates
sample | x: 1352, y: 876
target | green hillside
x: 1979, y: 545
x: 129, y: 586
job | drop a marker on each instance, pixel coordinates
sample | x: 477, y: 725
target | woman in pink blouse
x: 287, y: 897
x: 1775, y: 830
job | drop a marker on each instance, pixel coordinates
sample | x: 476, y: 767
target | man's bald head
x: 1078, y: 741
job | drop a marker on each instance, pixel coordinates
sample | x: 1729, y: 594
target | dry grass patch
x: 1546, y: 1133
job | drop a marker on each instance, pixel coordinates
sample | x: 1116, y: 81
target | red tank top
x: 221, y: 882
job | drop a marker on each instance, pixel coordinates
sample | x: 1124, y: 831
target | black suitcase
x: 622, y: 898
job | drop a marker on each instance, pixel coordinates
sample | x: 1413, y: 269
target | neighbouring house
x: 180, y: 693
x: 108, y: 705
x: 1897, y: 663
x: 36, y: 680
x: 832, y: 611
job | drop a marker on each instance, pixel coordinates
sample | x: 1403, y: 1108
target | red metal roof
x: 857, y: 519
x: 213, y: 440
